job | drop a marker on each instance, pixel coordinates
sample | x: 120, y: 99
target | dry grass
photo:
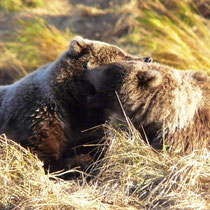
x: 38, y: 43
x: 158, y: 179
x: 133, y: 175
x: 24, y: 185
x: 32, y: 41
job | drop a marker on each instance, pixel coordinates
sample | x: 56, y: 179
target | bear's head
x: 96, y: 53
x: 84, y: 54
x: 159, y: 100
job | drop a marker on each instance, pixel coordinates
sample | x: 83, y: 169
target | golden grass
x: 173, y: 32
x: 158, y: 178
x: 38, y: 43
x: 133, y: 175
x: 9, y: 61
x: 24, y: 185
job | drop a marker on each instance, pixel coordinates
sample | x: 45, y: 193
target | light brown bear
x: 166, y: 105
x: 46, y: 110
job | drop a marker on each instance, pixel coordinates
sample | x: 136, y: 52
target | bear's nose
x: 148, y: 60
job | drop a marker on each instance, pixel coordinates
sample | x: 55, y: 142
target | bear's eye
x: 148, y: 60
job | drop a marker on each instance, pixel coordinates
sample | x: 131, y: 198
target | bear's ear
x: 200, y: 76
x: 77, y: 45
x: 151, y: 78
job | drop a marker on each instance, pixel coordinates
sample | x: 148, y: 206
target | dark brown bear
x: 46, y: 111
x: 163, y: 103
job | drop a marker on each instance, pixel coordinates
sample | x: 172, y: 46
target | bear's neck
x: 66, y: 68
x: 64, y: 75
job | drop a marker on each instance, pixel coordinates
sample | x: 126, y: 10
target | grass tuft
x: 24, y: 185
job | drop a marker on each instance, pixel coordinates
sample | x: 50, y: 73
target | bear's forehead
x: 130, y: 65
x: 142, y: 66
x: 131, y: 68
x: 97, y: 46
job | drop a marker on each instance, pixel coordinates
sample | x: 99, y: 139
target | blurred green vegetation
x: 38, y: 43
x: 172, y: 32
x: 17, y: 5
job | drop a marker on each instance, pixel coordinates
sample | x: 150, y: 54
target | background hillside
x: 34, y: 32
x: 133, y: 176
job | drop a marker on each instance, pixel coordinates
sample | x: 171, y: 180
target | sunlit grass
x: 38, y: 43
x: 133, y: 175
x: 25, y: 185
x: 174, y: 33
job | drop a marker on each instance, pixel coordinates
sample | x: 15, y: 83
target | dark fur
x: 47, y: 111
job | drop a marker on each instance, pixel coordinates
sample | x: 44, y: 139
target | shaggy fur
x: 163, y: 103
x: 47, y: 111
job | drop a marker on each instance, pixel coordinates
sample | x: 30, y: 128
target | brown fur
x: 162, y: 102
x: 46, y: 110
